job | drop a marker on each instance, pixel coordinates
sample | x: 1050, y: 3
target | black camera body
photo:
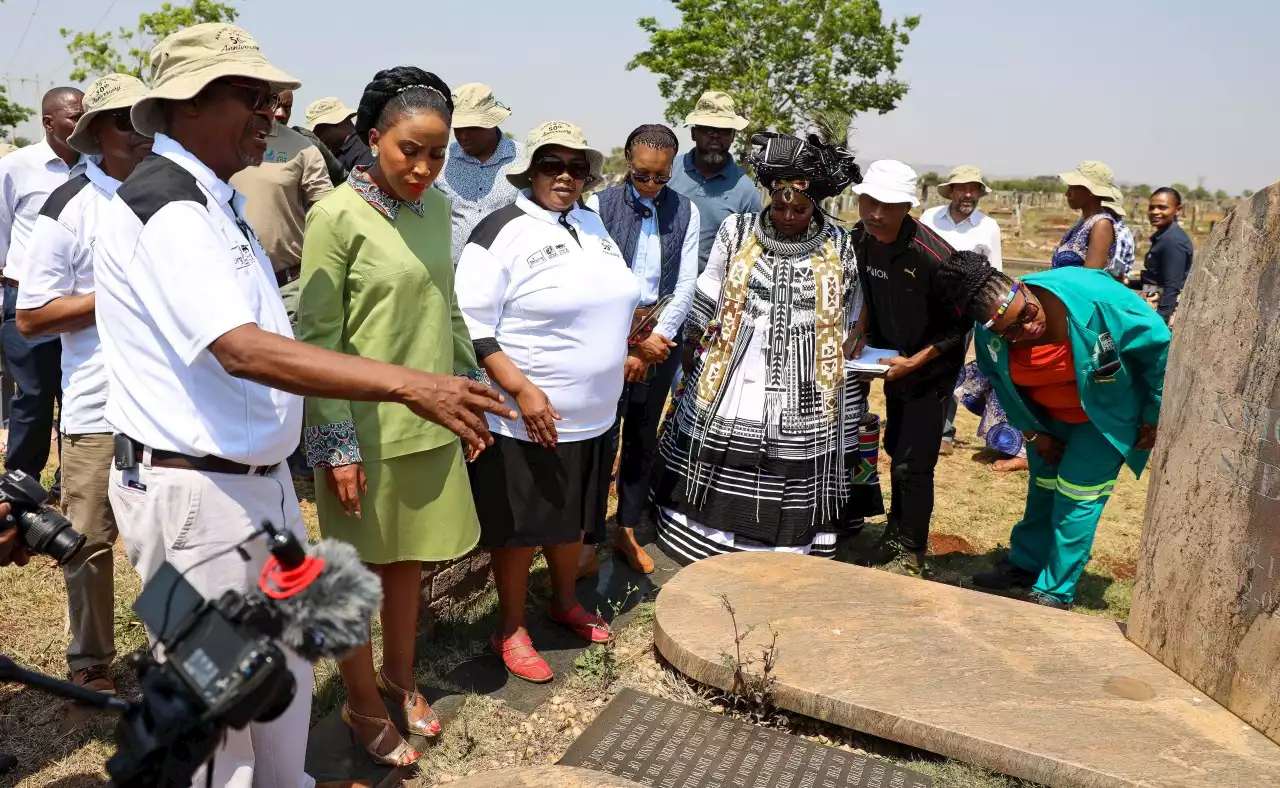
x: 43, y: 530
x: 222, y: 669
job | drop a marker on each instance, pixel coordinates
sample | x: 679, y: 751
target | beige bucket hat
x: 185, y: 62
x: 114, y: 91
x: 554, y: 132
x: 965, y: 173
x: 717, y: 110
x: 474, y: 106
x: 328, y: 111
x: 1096, y: 177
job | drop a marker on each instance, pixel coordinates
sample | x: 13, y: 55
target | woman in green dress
x: 377, y: 282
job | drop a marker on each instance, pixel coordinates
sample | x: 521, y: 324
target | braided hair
x: 973, y: 285
x: 398, y: 92
x: 653, y: 135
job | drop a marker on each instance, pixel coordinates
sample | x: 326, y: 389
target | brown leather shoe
x: 96, y: 678
x: 625, y: 545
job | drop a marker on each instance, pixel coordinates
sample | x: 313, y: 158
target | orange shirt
x: 1048, y: 376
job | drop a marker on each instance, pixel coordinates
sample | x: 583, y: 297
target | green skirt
x: 418, y: 508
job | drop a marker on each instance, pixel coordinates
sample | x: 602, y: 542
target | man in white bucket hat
x: 474, y: 178
x: 899, y: 259
x: 56, y: 298
x: 204, y: 375
x: 962, y: 225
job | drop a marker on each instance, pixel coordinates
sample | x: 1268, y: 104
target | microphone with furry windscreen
x: 324, y: 597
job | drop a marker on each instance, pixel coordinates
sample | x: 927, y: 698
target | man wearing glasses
x: 204, y: 379
x: 657, y: 230
x: 57, y: 298
x: 708, y: 175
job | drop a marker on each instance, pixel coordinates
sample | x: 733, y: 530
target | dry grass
x: 975, y: 505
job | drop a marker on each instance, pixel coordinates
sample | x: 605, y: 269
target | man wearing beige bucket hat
x: 203, y: 375
x: 474, y: 179
x: 708, y: 175
x: 961, y: 224
x: 332, y: 122
x: 57, y: 297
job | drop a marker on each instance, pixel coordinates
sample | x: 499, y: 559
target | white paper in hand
x: 869, y: 361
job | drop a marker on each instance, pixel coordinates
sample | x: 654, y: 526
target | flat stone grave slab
x: 542, y: 777
x: 656, y: 742
x: 1045, y: 695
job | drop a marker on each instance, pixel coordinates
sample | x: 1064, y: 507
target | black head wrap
x: 809, y: 166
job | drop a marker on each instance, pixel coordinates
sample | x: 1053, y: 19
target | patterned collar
x: 373, y: 194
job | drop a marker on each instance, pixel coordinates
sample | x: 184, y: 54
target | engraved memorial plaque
x: 1209, y: 569
x: 664, y: 744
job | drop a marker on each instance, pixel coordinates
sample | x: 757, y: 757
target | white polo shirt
x: 60, y: 263
x: 558, y: 303
x: 978, y: 233
x: 27, y: 177
x: 177, y: 267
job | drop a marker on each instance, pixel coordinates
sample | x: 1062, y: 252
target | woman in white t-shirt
x: 548, y: 301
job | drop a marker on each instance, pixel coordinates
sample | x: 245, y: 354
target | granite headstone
x: 663, y: 744
x: 1208, y: 584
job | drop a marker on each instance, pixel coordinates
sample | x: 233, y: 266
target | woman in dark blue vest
x: 656, y: 230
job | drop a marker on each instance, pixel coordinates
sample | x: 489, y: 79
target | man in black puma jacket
x: 898, y: 260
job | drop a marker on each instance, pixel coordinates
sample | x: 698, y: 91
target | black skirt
x: 528, y: 496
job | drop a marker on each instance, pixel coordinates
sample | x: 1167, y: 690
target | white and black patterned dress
x: 753, y: 485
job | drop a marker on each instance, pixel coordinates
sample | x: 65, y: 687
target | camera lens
x: 46, y: 531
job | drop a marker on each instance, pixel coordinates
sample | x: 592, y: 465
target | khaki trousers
x: 185, y: 518
x: 90, y: 576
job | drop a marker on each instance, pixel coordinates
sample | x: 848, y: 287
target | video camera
x: 222, y: 665
x: 43, y: 530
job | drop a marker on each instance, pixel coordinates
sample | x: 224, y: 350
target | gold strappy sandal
x: 402, y: 755
x: 428, y: 725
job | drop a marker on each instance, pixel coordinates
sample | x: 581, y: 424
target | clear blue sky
x: 1167, y: 91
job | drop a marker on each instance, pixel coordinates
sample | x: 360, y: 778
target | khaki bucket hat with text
x: 717, y: 110
x: 114, y: 91
x: 963, y: 174
x: 555, y: 132
x: 187, y: 61
x: 474, y: 106
x: 328, y: 111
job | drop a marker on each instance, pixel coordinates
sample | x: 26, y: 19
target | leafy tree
x: 1141, y: 190
x: 930, y: 179
x: 1221, y: 195
x: 95, y: 54
x: 21, y: 142
x: 615, y: 164
x: 1183, y: 189
x: 1200, y: 193
x: 783, y: 61
x: 12, y: 113
x: 1247, y: 193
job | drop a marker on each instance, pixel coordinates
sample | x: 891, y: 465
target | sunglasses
x: 120, y: 119
x: 658, y: 179
x: 554, y: 167
x: 257, y: 96
x: 1030, y: 311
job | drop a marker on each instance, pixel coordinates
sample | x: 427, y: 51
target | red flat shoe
x: 583, y: 624
x: 521, y: 659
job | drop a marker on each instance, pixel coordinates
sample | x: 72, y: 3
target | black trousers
x: 36, y: 369
x: 912, y: 438
x: 639, y: 412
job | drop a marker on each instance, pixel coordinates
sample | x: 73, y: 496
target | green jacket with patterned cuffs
x: 377, y: 282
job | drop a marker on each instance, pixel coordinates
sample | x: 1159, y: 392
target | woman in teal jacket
x: 1077, y: 360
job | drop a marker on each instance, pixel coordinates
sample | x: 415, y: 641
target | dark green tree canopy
x: 783, y: 61
x: 12, y: 113
x: 129, y: 51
